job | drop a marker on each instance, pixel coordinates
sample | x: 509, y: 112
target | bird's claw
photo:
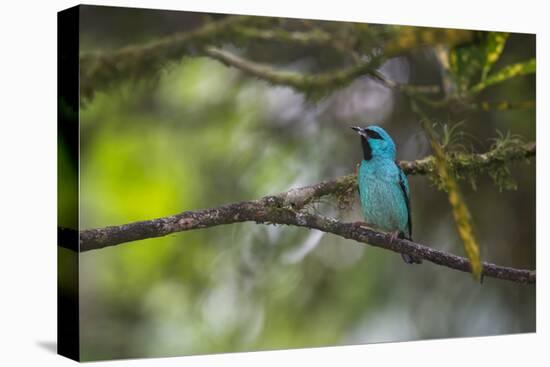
x: 395, y: 235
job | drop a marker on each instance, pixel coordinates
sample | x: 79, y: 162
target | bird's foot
x: 409, y: 259
x: 396, y: 235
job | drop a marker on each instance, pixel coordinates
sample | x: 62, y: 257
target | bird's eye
x: 373, y: 134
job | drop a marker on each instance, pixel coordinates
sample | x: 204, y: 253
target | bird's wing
x: 404, y: 184
x: 357, y: 167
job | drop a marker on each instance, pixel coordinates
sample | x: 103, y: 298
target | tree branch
x: 300, y: 81
x: 405, y: 88
x: 272, y: 210
x: 100, y: 70
x: 313, y: 37
x: 287, y: 208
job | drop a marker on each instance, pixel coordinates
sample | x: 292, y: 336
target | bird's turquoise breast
x: 383, y: 202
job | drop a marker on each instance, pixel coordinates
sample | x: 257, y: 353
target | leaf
x: 507, y: 72
x: 493, y: 49
x: 460, y: 211
x: 464, y: 226
x: 470, y: 64
x: 464, y: 62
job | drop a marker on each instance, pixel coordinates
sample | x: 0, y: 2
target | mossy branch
x: 290, y: 208
x: 464, y: 164
x: 272, y: 210
x: 406, y: 39
x: 303, y: 38
x: 98, y: 70
x: 313, y: 83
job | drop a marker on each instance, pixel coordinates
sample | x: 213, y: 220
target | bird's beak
x: 359, y: 130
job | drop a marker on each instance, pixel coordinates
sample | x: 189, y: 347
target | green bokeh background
x: 201, y: 134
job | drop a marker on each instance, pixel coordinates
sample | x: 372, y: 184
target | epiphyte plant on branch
x: 467, y: 59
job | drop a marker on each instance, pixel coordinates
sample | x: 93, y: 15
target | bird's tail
x: 409, y: 259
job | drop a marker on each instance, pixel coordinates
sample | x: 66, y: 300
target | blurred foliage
x: 472, y: 62
x: 510, y: 71
x: 200, y: 134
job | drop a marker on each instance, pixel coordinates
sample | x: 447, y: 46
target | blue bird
x: 383, y: 186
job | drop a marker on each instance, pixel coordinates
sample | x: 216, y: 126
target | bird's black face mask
x: 365, y: 134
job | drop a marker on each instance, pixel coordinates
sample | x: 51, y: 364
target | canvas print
x: 233, y: 183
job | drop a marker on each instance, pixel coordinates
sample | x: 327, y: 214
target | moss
x: 506, y: 150
x: 345, y: 191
